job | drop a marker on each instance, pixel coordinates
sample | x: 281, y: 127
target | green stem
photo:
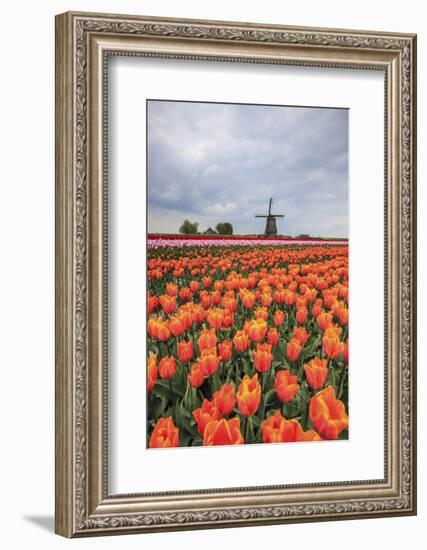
x: 341, y: 386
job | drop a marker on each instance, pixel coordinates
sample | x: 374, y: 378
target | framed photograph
x: 235, y: 274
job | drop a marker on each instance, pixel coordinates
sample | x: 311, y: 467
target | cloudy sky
x: 213, y: 163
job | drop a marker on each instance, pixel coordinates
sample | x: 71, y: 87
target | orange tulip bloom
x: 266, y: 299
x: 332, y: 345
x: 205, y: 300
x: 249, y: 395
x: 225, y: 399
x: 171, y: 289
x: 223, y: 432
x: 301, y: 315
x: 324, y: 320
x: 165, y: 434
x: 256, y: 329
x: 197, y: 375
x: 207, y: 339
x: 293, y: 349
x: 153, y: 328
x: 241, y: 341
x: 279, y: 317
x: 176, y: 326
x: 163, y: 332
x: 168, y: 303
x: 300, y: 334
x: 204, y: 414
x: 316, y: 372
x: 194, y: 286
x: 248, y: 299
x: 151, y: 372
x: 277, y: 429
x: 209, y: 361
x: 328, y: 413
x: 207, y: 281
x: 286, y: 385
x: 261, y: 313
x: 185, y: 351
x: 262, y: 357
x: 167, y: 367
x: 185, y: 294
x: 215, y: 317
x: 153, y: 303
x: 225, y: 350
x: 272, y: 336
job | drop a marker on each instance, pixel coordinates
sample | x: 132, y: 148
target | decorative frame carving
x: 83, y: 43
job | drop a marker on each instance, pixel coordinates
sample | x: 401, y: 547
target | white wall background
x: 27, y: 272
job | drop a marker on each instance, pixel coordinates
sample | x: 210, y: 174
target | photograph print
x: 247, y: 274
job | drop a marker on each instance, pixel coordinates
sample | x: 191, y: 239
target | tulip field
x: 247, y: 341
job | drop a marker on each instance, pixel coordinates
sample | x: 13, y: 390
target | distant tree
x: 224, y: 228
x: 188, y: 228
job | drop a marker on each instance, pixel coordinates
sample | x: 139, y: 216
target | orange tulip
x: 163, y: 332
x: 261, y: 313
x: 293, y: 349
x: 249, y: 395
x: 332, y: 345
x: 185, y: 351
x: 286, y: 385
x: 176, y: 326
x: 262, y: 357
x: 197, y: 375
x: 256, y: 329
x: 151, y: 372
x: 225, y: 399
x: 185, y: 294
x: 153, y: 328
x: 328, y: 413
x: 316, y: 372
x: 266, y: 299
x: 165, y: 434
x: 215, y: 317
x: 225, y: 350
x: 279, y: 317
x: 168, y: 303
x: 248, y: 299
x: 194, y: 286
x: 324, y: 320
x: 167, y: 367
x: 272, y: 336
x: 204, y: 414
x: 172, y: 289
x: 207, y: 281
x: 241, y: 341
x: 277, y: 429
x: 301, y: 315
x: 209, y: 361
x: 153, y: 303
x: 223, y: 432
x: 207, y: 339
x: 300, y: 334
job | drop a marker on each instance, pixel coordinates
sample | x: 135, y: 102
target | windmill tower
x: 270, y: 224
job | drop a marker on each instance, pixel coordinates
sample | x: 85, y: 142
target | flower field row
x: 156, y: 242
x: 247, y: 344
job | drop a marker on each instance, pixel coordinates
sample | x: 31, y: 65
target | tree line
x: 192, y: 228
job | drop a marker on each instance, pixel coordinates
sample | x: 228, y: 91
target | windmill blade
x: 260, y: 216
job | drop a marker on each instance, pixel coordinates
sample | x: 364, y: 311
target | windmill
x: 270, y: 224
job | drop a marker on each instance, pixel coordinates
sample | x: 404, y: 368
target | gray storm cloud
x: 215, y: 163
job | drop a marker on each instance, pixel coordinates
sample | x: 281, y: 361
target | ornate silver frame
x: 83, y: 42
